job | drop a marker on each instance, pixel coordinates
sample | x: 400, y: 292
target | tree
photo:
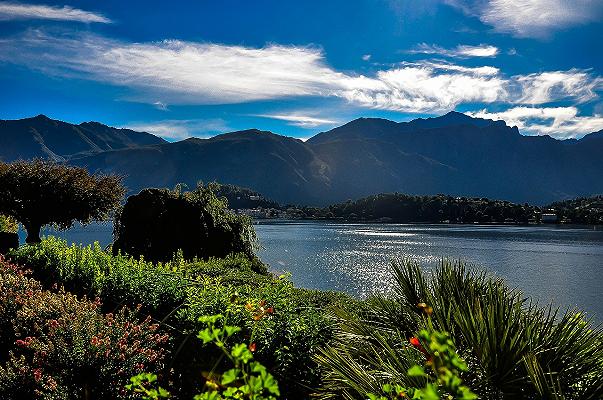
x: 156, y: 223
x: 37, y: 193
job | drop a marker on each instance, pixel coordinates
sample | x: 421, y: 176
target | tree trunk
x: 33, y: 233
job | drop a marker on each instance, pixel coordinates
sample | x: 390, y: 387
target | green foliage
x: 114, y: 279
x: 156, y: 223
x: 247, y: 379
x: 142, y: 385
x: 514, y: 349
x: 442, y: 380
x: 56, y: 346
x: 179, y: 292
x: 38, y: 193
x: 8, y: 224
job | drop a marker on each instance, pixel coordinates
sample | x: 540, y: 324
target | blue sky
x: 199, y: 68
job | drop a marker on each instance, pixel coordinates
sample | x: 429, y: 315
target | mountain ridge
x: 453, y: 153
x: 43, y: 137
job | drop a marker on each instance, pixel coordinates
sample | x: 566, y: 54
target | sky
x: 199, y: 68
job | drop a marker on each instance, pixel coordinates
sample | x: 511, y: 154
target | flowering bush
x: 57, y: 346
x: 180, y: 292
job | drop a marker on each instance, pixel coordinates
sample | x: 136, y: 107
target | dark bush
x: 56, y: 346
x: 8, y: 240
x: 157, y: 223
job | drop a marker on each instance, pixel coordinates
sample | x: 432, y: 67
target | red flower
x: 270, y: 310
x: 252, y: 347
x: 37, y: 374
x: 414, y: 341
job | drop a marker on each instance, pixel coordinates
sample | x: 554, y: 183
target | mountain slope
x: 280, y: 167
x: 43, y: 137
x: 453, y: 154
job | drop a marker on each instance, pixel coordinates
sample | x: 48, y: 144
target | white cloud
x: 176, y: 129
x: 559, y: 122
x: 15, y: 11
x: 460, y: 51
x: 176, y: 73
x: 430, y: 88
x: 303, y: 121
x: 160, y: 106
x: 550, y: 86
x: 366, y: 57
x: 531, y: 18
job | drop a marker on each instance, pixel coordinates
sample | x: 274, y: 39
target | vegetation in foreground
x: 157, y: 223
x: 326, y: 343
x: 176, y: 294
x: 513, y: 348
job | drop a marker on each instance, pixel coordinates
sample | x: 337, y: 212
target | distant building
x: 548, y: 217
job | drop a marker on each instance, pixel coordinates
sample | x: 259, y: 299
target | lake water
x: 563, y: 265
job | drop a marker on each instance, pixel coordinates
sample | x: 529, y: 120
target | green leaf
x: 231, y: 330
x: 416, y: 371
x: 430, y: 393
x: 206, y: 335
x: 230, y: 376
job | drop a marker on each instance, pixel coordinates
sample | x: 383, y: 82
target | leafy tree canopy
x: 37, y: 193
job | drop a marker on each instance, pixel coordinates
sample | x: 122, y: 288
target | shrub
x: 178, y: 293
x: 38, y: 193
x: 514, y: 349
x: 156, y: 223
x: 8, y: 224
x: 57, y: 346
x: 115, y: 279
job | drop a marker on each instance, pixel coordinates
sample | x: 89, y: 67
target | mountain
x: 453, y: 154
x: 47, y: 138
x: 281, y: 167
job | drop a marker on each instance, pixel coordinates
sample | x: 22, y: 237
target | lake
x: 558, y: 264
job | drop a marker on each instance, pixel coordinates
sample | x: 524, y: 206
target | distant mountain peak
x: 39, y: 117
x: 41, y: 136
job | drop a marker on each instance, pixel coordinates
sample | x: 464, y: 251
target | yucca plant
x: 514, y: 348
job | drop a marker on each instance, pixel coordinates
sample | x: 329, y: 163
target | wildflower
x: 52, y: 384
x: 212, y: 385
x: 252, y: 347
x: 37, y: 373
x: 270, y: 310
x: 249, y: 306
x: 415, y: 341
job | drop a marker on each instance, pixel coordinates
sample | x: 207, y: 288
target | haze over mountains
x: 453, y: 154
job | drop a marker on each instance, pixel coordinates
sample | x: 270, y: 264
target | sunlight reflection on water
x: 558, y: 264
